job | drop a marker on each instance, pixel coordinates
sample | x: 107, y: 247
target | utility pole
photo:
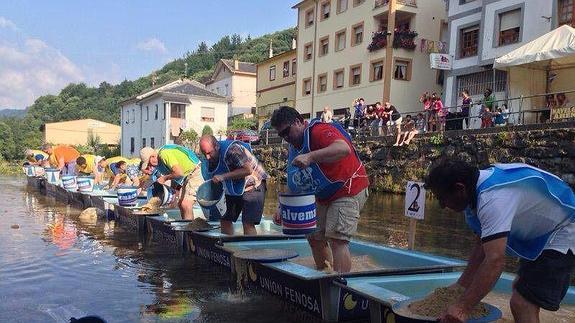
x: 389, y: 51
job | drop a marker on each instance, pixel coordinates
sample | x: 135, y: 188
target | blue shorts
x: 250, y: 205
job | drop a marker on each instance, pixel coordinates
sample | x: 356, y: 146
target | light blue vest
x: 234, y: 187
x: 163, y: 169
x: 312, y: 180
x: 530, y: 233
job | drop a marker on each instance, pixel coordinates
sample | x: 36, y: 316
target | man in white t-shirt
x: 516, y: 208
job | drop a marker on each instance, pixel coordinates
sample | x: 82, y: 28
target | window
x: 325, y: 9
x: 143, y: 142
x: 338, y: 79
x: 132, y: 145
x: 164, y: 112
x: 208, y: 114
x: 324, y: 46
x: 156, y: 112
x: 127, y: 116
x: 357, y: 35
x: 147, y: 113
x: 272, y: 72
x: 286, y: 69
x: 402, y: 69
x: 227, y: 89
x: 322, y: 83
x: 306, y: 87
x: 509, y: 27
x: 293, y: 66
x: 469, y: 40
x: 355, y: 75
x: 477, y: 83
x: 340, y: 40
x: 376, y: 72
x: 565, y: 12
x: 341, y: 6
x: 133, y: 115
x: 153, y: 142
x: 218, y: 90
x: 309, y: 16
x: 357, y: 2
x: 308, y: 51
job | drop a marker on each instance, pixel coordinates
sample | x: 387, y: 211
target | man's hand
x: 302, y: 161
x: 161, y: 180
x: 218, y: 179
x: 454, y: 314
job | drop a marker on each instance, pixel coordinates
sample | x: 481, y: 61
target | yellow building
x: 76, y: 132
x: 276, y: 78
x: 341, y: 55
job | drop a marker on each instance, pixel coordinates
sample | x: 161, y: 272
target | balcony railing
x: 381, y: 3
x: 402, y: 39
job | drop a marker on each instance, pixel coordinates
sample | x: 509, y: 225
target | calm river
x: 55, y: 264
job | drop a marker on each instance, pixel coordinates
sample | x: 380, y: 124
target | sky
x: 45, y: 45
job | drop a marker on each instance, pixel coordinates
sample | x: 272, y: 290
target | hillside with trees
x: 79, y: 101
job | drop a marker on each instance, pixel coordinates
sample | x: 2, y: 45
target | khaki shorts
x: 338, y: 219
x: 191, y: 184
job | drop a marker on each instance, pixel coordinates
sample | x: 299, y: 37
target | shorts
x: 544, y: 281
x: 250, y: 205
x: 338, y: 219
x: 191, y: 184
x: 133, y: 171
x: 396, y: 123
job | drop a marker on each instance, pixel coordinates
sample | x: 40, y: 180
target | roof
x: 91, y: 122
x: 176, y: 91
x: 189, y: 88
x: 299, y: 4
x: 243, y: 67
x: 287, y: 53
x: 555, y: 49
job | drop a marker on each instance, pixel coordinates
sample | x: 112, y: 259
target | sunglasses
x: 284, y: 133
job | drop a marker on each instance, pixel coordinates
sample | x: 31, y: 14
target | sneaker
x: 395, y: 145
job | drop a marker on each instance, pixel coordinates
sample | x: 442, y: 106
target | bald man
x: 232, y: 163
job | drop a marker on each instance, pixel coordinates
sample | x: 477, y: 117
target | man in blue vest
x: 232, y: 163
x: 516, y: 208
x: 322, y: 161
x: 179, y: 165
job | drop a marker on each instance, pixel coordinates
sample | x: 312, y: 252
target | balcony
x: 402, y: 39
x: 383, y: 3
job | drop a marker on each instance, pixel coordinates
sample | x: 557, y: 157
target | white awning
x: 554, y: 50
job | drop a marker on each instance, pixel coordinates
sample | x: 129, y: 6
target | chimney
x: 293, y: 43
x: 271, y: 54
x: 236, y: 64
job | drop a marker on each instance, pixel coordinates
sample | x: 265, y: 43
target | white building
x: 157, y: 117
x: 236, y: 81
x: 482, y: 30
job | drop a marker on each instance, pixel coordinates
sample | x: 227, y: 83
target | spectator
x: 550, y: 105
x: 371, y: 119
x: 409, y: 131
x: 465, y: 107
x: 420, y: 123
x: 326, y: 115
x: 383, y: 119
x: 394, y: 117
x: 346, y: 119
x: 441, y: 112
x: 489, y: 99
x: 501, y: 116
x: 562, y: 100
x: 359, y: 106
x: 486, y: 117
x: 425, y: 99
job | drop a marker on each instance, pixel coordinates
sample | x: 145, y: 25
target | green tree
x: 242, y: 124
x: 207, y: 130
x: 7, y: 143
x: 188, y: 138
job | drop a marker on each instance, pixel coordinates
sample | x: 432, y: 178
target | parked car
x: 248, y: 136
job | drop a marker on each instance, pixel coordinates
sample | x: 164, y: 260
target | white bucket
x: 52, y: 175
x: 85, y: 183
x: 38, y: 171
x: 69, y: 182
x: 164, y: 192
x: 298, y: 213
x: 30, y: 170
x: 127, y: 196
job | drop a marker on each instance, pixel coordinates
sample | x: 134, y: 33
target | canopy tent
x: 552, y: 51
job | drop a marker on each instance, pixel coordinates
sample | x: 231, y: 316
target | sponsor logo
x: 295, y: 296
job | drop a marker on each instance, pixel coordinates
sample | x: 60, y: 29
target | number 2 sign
x: 415, y: 200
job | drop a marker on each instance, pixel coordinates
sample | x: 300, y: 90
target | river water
x: 55, y: 264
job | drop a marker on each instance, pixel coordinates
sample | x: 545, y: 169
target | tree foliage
x: 207, y: 130
x: 243, y: 124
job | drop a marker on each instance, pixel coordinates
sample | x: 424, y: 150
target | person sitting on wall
x: 61, y: 157
x: 408, y: 132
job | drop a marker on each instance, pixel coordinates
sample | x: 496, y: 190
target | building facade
x: 276, y: 79
x: 236, y: 81
x: 158, y: 116
x: 482, y: 30
x: 78, y: 132
x: 341, y: 52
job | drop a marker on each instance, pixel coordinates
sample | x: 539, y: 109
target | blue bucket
x: 128, y: 196
x: 165, y: 193
x: 85, y: 183
x: 53, y: 175
x: 298, y: 213
x: 69, y: 183
x: 213, y: 200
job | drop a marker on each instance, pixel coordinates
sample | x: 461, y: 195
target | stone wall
x: 549, y: 146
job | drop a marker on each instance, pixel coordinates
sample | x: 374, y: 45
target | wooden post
x: 411, y: 236
x: 389, y: 51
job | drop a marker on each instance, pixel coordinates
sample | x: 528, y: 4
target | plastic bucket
x: 298, y: 213
x: 69, y: 182
x: 165, y: 193
x: 85, y: 183
x: 38, y: 171
x: 127, y: 196
x: 30, y: 170
x: 212, y: 200
x: 52, y: 175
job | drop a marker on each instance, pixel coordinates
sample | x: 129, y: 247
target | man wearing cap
x: 232, y: 163
x: 35, y: 157
x: 322, y: 161
x: 62, y: 157
x: 87, y: 165
x: 121, y: 170
x: 179, y: 165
